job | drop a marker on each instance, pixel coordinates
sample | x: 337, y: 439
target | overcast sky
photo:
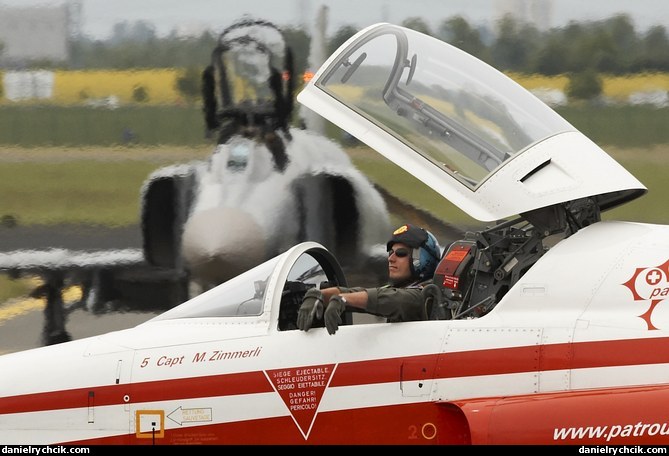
x: 99, y: 16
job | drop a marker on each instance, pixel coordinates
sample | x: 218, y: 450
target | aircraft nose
x: 219, y: 244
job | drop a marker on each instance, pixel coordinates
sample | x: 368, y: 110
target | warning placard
x: 301, y: 389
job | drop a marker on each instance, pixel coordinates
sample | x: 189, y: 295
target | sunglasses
x: 399, y: 253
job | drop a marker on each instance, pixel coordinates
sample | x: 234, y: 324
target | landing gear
x: 54, y: 331
x: 137, y: 288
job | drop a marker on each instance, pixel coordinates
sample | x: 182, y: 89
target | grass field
x: 98, y: 186
x: 650, y: 166
x: 101, y: 186
x: 183, y: 126
x: 64, y: 162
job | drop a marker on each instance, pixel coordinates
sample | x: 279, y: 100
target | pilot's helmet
x: 426, y: 251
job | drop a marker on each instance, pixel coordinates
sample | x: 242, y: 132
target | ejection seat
x: 449, y: 294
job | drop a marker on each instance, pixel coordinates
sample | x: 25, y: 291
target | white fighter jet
x: 548, y: 327
x: 267, y: 186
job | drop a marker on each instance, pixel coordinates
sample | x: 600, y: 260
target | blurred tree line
x: 611, y: 46
x: 582, y: 50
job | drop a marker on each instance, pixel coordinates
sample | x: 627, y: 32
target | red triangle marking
x: 649, y: 313
x: 301, y: 389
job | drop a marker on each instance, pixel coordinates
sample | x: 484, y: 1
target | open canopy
x: 462, y: 127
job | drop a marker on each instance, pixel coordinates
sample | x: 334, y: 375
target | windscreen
x: 245, y: 294
x: 443, y: 103
x: 240, y: 296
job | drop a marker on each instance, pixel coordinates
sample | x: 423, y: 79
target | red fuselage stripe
x: 532, y: 358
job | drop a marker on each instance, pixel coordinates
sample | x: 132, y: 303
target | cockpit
x: 480, y: 140
x: 278, y: 283
x: 472, y: 135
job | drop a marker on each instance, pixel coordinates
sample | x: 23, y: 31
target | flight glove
x: 336, y: 307
x: 311, y: 308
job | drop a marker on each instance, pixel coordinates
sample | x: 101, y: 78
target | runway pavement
x: 22, y: 320
x: 21, y: 323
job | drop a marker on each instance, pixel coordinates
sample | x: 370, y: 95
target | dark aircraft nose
x: 221, y: 243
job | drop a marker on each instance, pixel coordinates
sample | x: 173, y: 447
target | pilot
x: 413, y: 255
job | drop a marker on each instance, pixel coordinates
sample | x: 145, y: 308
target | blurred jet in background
x: 266, y: 187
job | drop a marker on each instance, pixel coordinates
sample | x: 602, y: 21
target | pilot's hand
x: 311, y: 308
x: 336, y: 307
